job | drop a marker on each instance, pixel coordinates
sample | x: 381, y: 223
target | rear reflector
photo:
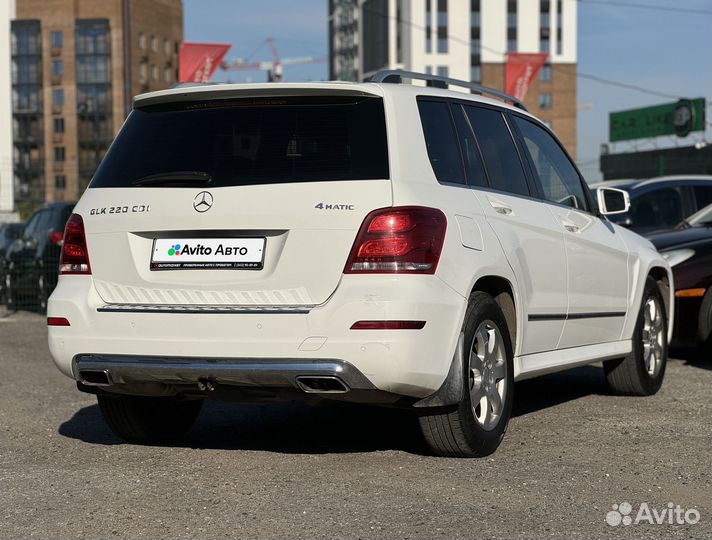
x: 57, y: 321
x: 690, y: 293
x: 398, y: 240
x: 75, y: 257
x: 388, y: 325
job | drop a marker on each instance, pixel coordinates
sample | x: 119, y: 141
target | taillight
x: 75, y: 257
x: 56, y: 237
x: 398, y: 240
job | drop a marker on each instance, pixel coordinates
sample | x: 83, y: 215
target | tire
x: 705, y: 323
x: 464, y: 430
x: 641, y: 373
x: 149, y: 420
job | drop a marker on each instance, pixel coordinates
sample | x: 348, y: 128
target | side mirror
x: 612, y: 201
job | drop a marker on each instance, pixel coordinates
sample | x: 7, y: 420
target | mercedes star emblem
x: 203, y: 201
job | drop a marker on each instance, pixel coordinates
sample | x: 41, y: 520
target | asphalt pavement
x: 288, y: 470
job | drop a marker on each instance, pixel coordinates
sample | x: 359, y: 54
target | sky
x: 666, y: 51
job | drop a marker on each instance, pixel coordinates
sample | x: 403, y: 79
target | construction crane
x: 272, y: 67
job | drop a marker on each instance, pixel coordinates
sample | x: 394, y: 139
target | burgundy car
x: 688, y: 249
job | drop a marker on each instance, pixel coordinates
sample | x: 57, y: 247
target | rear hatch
x: 250, y: 201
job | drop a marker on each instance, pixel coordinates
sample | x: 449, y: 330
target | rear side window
x: 441, y: 142
x: 252, y: 141
x: 502, y: 161
x: 474, y: 168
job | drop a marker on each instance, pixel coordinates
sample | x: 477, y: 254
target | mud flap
x: 451, y: 391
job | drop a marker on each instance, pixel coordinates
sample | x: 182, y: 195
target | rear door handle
x: 571, y: 227
x: 500, y: 208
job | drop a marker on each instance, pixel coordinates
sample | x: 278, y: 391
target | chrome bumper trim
x: 200, y: 308
x: 269, y: 372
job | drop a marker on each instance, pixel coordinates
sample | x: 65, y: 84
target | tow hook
x: 206, y: 385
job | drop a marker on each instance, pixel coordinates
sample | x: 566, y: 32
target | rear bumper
x: 262, y: 348
x: 118, y: 370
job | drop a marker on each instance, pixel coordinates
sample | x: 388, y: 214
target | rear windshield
x: 252, y: 141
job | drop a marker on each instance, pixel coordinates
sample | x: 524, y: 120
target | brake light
x: 75, y: 257
x: 56, y: 237
x: 398, y: 240
x: 57, y: 321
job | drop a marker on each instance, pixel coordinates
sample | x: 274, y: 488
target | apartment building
x: 76, y: 65
x: 463, y: 39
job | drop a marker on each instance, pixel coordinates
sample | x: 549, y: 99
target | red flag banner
x: 198, y: 61
x: 521, y: 70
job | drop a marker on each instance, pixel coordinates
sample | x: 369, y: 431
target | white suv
x: 379, y: 242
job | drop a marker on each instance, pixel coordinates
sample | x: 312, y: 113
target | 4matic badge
x: 325, y: 206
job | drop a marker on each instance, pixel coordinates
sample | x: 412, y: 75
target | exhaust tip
x: 322, y: 384
x: 95, y: 377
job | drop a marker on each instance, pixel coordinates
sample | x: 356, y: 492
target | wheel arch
x: 502, y: 291
x: 663, y: 277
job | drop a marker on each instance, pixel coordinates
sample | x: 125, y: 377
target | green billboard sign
x: 679, y: 118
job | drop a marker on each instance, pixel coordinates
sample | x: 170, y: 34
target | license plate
x: 207, y: 253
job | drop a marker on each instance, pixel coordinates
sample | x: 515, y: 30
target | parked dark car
x: 661, y: 203
x: 32, y: 260
x: 688, y: 249
x: 9, y: 232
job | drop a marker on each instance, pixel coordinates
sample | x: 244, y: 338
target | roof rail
x: 397, y: 75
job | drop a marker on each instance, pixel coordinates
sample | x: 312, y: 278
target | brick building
x: 463, y: 39
x: 76, y: 65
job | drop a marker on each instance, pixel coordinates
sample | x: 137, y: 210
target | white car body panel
x: 551, y: 271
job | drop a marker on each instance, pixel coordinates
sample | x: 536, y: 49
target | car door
x: 531, y: 238
x: 596, y: 255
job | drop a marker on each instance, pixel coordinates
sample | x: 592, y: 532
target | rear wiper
x: 175, y: 178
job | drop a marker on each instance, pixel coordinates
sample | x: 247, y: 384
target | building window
x: 167, y: 71
x: 545, y: 101
x: 545, y: 74
x: 60, y: 182
x: 25, y: 38
x: 443, y: 71
x: 428, y: 70
x: 57, y: 68
x: 154, y: 44
x: 57, y: 39
x: 154, y: 72
x: 476, y: 74
x: 442, y: 27
x: 511, y: 25
x: 544, y: 30
x: 59, y: 153
x: 141, y: 41
x: 559, y: 27
x: 57, y: 96
x: 428, y: 26
x: 58, y: 125
x: 143, y: 72
x: 166, y: 47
